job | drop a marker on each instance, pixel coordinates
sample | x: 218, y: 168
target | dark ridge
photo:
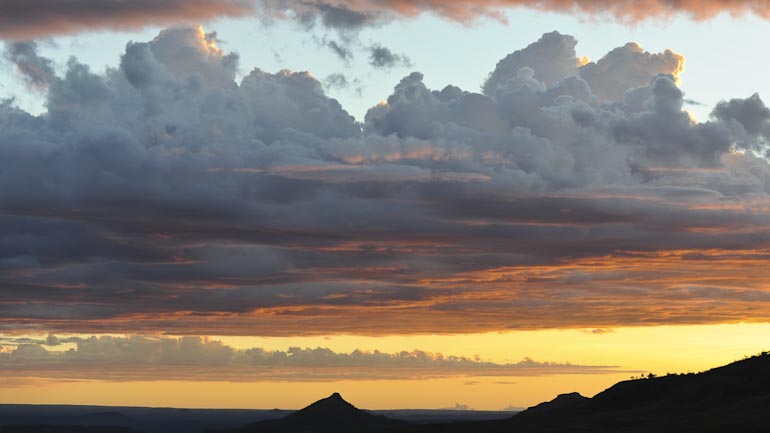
x: 732, y: 398
x: 64, y: 429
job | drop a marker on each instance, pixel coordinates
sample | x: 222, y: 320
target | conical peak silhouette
x: 332, y: 404
x: 329, y: 415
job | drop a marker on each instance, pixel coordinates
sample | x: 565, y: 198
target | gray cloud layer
x: 162, y: 196
x: 195, y: 358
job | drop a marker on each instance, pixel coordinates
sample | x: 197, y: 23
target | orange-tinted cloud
x: 22, y: 19
x: 623, y: 9
x: 622, y: 289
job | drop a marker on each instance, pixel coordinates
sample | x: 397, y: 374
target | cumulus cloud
x: 750, y: 118
x: 628, y: 67
x: 163, y: 196
x: 24, y: 20
x: 553, y: 58
x: 164, y: 358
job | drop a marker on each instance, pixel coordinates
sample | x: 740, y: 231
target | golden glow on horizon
x: 660, y: 349
x: 488, y: 393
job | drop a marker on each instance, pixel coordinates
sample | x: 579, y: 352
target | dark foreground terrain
x: 734, y: 398
x: 100, y: 419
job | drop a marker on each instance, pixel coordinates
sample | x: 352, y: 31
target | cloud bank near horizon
x: 23, y: 20
x: 162, y: 196
x: 139, y: 358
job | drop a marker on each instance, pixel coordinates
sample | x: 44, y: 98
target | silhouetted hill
x: 733, y: 398
x: 564, y: 403
x: 331, y: 414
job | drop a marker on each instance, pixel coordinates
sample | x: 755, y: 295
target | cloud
x: 600, y: 331
x: 750, y: 119
x: 383, y: 57
x: 553, y: 58
x: 164, y: 196
x: 337, y: 81
x: 23, y: 20
x: 36, y: 71
x: 164, y: 358
x: 357, y: 12
x: 457, y: 406
x: 628, y: 67
x: 341, y: 50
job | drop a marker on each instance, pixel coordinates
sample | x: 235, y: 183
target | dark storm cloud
x: 164, y: 196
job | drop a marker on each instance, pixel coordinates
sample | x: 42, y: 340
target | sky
x: 254, y: 204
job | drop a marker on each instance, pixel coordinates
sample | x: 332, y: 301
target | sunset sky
x: 417, y: 204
